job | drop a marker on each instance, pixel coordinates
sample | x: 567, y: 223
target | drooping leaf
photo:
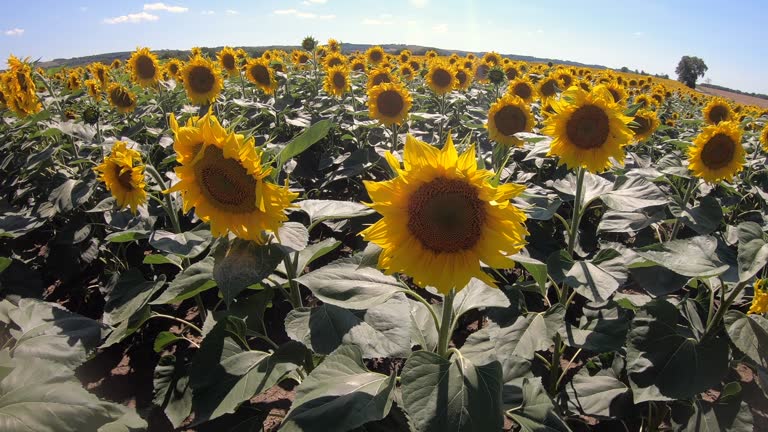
x: 694, y: 257
x: 749, y: 333
x: 242, y: 264
x: 534, y: 411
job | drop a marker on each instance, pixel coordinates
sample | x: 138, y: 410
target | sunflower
x: 74, y: 81
x: 202, y: 80
x: 123, y: 174
x: 121, y: 98
x: 759, y: 303
x: 20, y: 89
x: 358, y: 65
x: 258, y: 72
x: 548, y: 88
x: 646, y: 123
x: 333, y: 45
x: 441, y: 218
x: 617, y: 91
x: 225, y: 181
x: 522, y: 88
x: 644, y: 100
x: 717, y: 110
x: 337, y: 81
x: 375, y: 55
x: 511, y: 71
x: 299, y: 58
x: 94, y: 89
x: 506, y: 117
x: 588, y: 128
x: 404, y: 56
x: 415, y: 65
x: 335, y: 59
x: 764, y: 137
x: 378, y: 76
x: 441, y: 77
x: 389, y: 103
x: 145, y: 71
x: 228, y: 60
x: 492, y: 58
x: 407, y: 72
x: 463, y: 78
x: 100, y: 72
x: 431, y: 54
x: 481, y: 72
x: 3, y: 101
x: 566, y: 79
x: 717, y: 153
x: 116, y: 63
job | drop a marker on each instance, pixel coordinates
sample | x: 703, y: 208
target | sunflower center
x: 616, y: 96
x: 442, y: 78
x: 124, y: 178
x: 414, y: 65
x: 482, y: 71
x: 390, y: 103
x: 225, y: 182
x: 303, y: 58
x: 381, y: 78
x: 121, y: 98
x: 446, y: 215
x: 718, y: 152
x: 145, y: 67
x: 260, y: 74
x: 339, y: 80
x: 523, y: 90
x: 643, y: 125
x: 548, y: 88
x: 718, y: 113
x: 511, y: 73
x: 588, y: 127
x: 376, y: 56
x: 174, y: 68
x: 201, y: 79
x: 358, y: 67
x: 461, y: 76
x: 22, y: 79
x: 567, y: 80
x: 335, y: 61
x: 510, y: 120
x: 228, y: 61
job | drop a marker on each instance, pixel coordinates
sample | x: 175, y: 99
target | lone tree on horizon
x: 689, y: 69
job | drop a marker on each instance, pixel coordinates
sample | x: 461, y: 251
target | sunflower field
x: 321, y: 240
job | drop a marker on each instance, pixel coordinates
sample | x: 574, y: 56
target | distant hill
x: 717, y: 87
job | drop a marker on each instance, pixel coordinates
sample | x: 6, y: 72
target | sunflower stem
x: 678, y: 221
x: 723, y: 308
x: 394, y: 137
x: 554, y: 367
x: 446, y: 324
x: 576, y: 216
x: 169, y: 208
x: 295, y: 291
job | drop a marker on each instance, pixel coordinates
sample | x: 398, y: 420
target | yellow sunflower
x: 759, y: 303
x: 335, y: 59
x: 718, y: 110
x: 20, y: 89
x: 94, y: 89
x: 492, y: 58
x: 389, y: 103
x: 547, y: 89
x: 506, y: 117
x: 431, y: 54
x: 3, y: 101
x: 464, y: 78
x: 646, y: 123
x: 73, y: 81
x: 228, y: 60
x: 617, y: 91
x: 258, y: 72
x: 116, y: 63
x: 407, y: 72
x: 123, y: 174
x: 358, y: 65
x: 333, y: 45
x: 511, y: 71
x: 441, y: 218
x: 378, y: 76
x: 225, y: 181
x: 100, y: 72
x: 145, y: 71
x: 441, y: 77
x: 375, y: 55
x: 404, y: 56
x: 173, y: 68
x: 202, y: 80
x: 337, y: 81
x: 415, y: 65
x: 644, y: 100
x: 717, y: 153
x: 523, y: 88
x: 764, y: 137
x: 121, y: 98
x: 588, y: 128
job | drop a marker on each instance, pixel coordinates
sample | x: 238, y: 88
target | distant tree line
x: 642, y: 72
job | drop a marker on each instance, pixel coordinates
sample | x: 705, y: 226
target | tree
x: 689, y: 69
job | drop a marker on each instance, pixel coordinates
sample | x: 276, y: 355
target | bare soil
x: 740, y: 98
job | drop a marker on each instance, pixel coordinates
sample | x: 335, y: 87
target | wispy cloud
x: 132, y: 18
x: 164, y: 7
x: 14, y: 32
x: 304, y: 15
x: 231, y: 12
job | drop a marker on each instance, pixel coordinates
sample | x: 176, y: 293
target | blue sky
x: 646, y: 34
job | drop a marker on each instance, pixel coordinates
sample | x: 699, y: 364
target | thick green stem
x: 446, y: 325
x: 394, y: 137
x: 724, y: 308
x: 576, y: 216
x: 169, y: 208
x: 554, y: 367
x: 295, y: 292
x: 688, y: 193
x: 179, y: 320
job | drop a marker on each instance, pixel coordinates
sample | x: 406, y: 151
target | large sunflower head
x: 441, y: 218
x: 389, y: 103
x: 414, y: 64
x: 228, y: 60
x: 481, y: 72
x: 617, y: 91
x: 718, y: 110
x: 123, y: 174
x: 717, y: 153
x: 225, y: 182
x: 406, y: 72
x: 378, y: 76
x: 522, y: 88
x: 358, y: 64
x: 492, y: 58
x: 202, y: 80
x: 441, y: 77
x: 74, y: 81
x: 375, y: 55
x: 588, y: 128
x: 337, y: 81
x: 335, y: 59
x: 145, y: 70
x: 645, y: 124
x: 511, y: 71
x: 506, y: 117
x: 431, y: 54
x: 173, y: 68
x: 464, y: 78
x: 258, y: 72
x: 121, y: 98
x: 644, y: 101
x: 548, y: 88
x: 94, y: 89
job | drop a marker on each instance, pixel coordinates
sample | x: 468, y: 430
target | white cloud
x: 440, y: 28
x: 14, y: 32
x: 304, y: 15
x: 164, y: 7
x: 231, y: 12
x: 132, y: 18
x: 207, y: 12
x: 419, y: 3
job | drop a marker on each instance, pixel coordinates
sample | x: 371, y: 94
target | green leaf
x: 658, y: 281
x: 530, y: 333
x: 342, y: 283
x: 664, y: 359
x: 535, y: 411
x: 311, y: 253
x: 536, y: 268
x: 131, y: 293
x: 602, y: 328
x: 163, y: 259
x: 186, y: 245
x: 705, y: 217
x: 753, y: 250
x: 615, y: 221
x: 423, y: 330
x: 477, y: 295
x: 694, y: 257
x: 127, y: 236
x: 380, y: 331
x: 598, y: 278
x: 50, y: 332
x: 293, y: 237
x: 16, y: 225
x: 734, y: 416
x: 193, y: 280
x: 172, y: 391
x: 749, y: 333
x: 72, y: 193
x: 242, y: 264
x: 163, y: 339
x: 340, y: 395
x: 321, y: 210
x: 310, y: 136
x: 594, y: 187
x: 633, y: 193
x: 601, y: 395
x: 451, y: 395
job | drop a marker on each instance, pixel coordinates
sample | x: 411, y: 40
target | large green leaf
x: 753, y: 250
x: 423, y: 329
x: 732, y: 416
x: 242, y: 264
x: 451, y: 395
x: 535, y: 411
x: 193, y: 280
x: 310, y: 136
x: 633, y: 193
x: 187, y: 244
x: 477, y: 295
x: 344, y: 284
x: 172, y: 391
x: 616, y: 221
x: 598, y: 278
x: 72, y: 193
x: 600, y: 395
x: 131, y: 293
x: 530, y: 333
x: 749, y: 333
x: 321, y: 210
x: 694, y: 257
x: 602, y: 328
x: 703, y: 218
x: 311, y: 253
x: 381, y: 331
x: 340, y: 395
x: 664, y: 359
x: 49, y: 331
